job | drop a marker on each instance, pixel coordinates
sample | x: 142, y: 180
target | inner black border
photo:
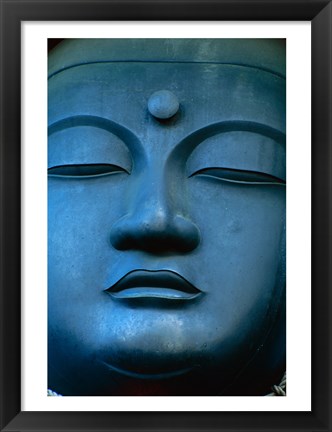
x: 12, y: 12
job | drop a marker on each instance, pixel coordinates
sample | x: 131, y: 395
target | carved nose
x: 154, y: 229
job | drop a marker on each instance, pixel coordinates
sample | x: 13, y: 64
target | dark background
x: 51, y: 43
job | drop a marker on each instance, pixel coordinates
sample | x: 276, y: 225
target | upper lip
x: 153, y: 284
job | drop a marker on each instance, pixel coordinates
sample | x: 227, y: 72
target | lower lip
x: 154, y: 292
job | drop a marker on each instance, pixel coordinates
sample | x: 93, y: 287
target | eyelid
x: 239, y: 176
x: 84, y: 170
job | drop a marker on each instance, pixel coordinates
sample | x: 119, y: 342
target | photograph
x: 167, y: 217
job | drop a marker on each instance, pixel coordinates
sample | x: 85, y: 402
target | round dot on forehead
x: 163, y: 104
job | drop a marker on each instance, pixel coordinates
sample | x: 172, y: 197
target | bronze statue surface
x: 167, y: 174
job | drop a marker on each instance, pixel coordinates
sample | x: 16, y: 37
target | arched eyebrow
x: 129, y: 138
x: 188, y: 144
x: 209, y: 131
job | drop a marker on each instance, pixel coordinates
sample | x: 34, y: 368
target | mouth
x: 158, y: 284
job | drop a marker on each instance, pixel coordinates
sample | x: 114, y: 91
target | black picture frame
x: 319, y: 12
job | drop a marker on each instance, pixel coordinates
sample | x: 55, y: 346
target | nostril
x: 187, y: 233
x: 178, y: 235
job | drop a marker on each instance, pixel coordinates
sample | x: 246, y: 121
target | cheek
x: 79, y: 220
x: 238, y: 223
x: 80, y: 213
x: 240, y: 251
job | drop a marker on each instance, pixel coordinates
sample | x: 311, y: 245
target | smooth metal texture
x: 163, y: 104
x: 166, y: 238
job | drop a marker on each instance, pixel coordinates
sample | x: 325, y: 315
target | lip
x: 158, y: 284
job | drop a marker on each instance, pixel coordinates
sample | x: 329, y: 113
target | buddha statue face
x: 166, y: 221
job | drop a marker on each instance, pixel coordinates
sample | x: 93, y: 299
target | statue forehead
x: 213, y: 93
x: 230, y: 79
x: 265, y: 54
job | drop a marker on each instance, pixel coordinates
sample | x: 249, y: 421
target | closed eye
x: 239, y: 176
x: 85, y: 170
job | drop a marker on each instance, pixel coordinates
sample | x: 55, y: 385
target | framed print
x: 147, y: 282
